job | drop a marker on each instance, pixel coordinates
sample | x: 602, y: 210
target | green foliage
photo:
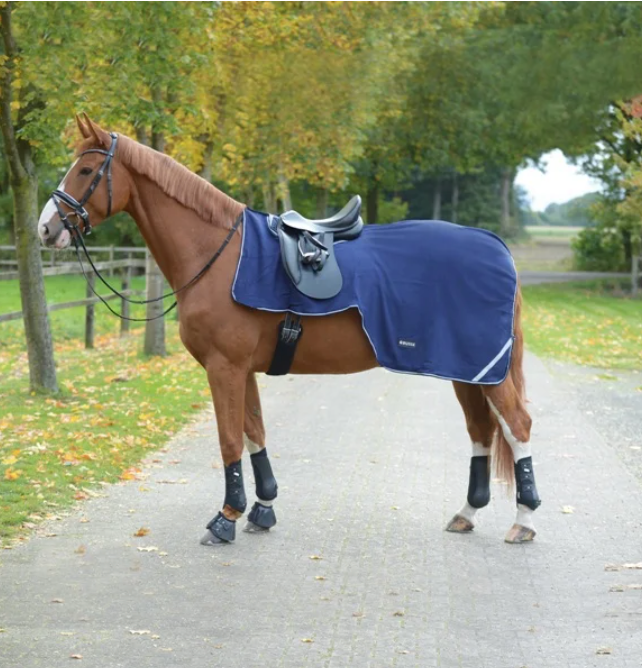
x: 576, y: 211
x: 584, y: 323
x: 600, y: 249
x: 392, y: 210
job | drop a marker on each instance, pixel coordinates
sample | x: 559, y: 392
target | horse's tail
x: 502, y: 451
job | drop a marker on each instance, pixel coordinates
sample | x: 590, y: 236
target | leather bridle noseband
x: 78, y: 210
x: 78, y: 207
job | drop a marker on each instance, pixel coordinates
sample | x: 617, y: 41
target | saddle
x: 307, y: 247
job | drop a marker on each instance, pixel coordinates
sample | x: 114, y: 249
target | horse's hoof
x: 250, y: 527
x: 263, y: 517
x: 459, y: 524
x: 519, y: 534
x: 210, y: 539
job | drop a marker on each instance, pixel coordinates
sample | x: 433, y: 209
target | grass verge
x: 589, y: 323
x: 115, y: 406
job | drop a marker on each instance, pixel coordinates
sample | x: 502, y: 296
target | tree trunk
x: 627, y: 243
x: 436, y: 200
x: 284, y: 192
x: 505, y: 186
x: 455, y: 198
x: 205, y: 171
x: 24, y: 184
x: 322, y: 202
x: 269, y: 197
x: 155, y: 329
x: 372, y: 203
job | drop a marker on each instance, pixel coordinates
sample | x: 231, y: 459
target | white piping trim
x: 494, y: 361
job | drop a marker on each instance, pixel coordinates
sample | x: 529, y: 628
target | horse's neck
x: 178, y: 238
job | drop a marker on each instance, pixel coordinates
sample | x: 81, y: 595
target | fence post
x: 635, y: 275
x: 124, y: 304
x: 111, y: 260
x: 89, y: 314
x: 154, y: 329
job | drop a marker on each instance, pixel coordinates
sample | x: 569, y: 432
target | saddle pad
x: 435, y: 298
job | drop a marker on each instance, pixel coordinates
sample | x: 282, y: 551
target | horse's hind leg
x: 261, y: 517
x: 514, y: 451
x: 481, y: 427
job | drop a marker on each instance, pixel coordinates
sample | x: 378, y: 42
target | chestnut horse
x: 184, y: 220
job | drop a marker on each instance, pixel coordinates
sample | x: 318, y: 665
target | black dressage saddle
x: 307, y: 247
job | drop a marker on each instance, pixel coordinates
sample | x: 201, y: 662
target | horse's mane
x: 179, y: 183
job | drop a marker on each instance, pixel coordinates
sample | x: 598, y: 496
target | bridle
x: 78, y: 210
x: 78, y: 207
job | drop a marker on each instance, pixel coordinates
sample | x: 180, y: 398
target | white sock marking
x: 468, y: 512
x: 479, y: 450
x: 524, y: 517
x: 251, y: 446
x: 520, y: 450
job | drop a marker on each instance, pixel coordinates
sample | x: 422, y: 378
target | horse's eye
x: 85, y: 171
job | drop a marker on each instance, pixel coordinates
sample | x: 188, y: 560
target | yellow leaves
x: 12, y: 474
x: 143, y: 531
x: 12, y: 458
x: 131, y: 473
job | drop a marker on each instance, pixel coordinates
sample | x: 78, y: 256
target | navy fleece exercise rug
x: 435, y: 298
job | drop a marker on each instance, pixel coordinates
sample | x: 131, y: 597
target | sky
x: 560, y: 182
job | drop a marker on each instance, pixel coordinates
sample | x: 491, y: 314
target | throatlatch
x: 262, y: 513
x: 479, y: 481
x: 290, y: 331
x: 527, y: 493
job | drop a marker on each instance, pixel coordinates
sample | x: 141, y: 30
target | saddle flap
x: 318, y: 280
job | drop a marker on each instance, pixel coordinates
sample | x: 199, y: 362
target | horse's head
x: 95, y: 187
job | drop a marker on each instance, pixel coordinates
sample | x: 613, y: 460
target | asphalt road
x: 358, y: 572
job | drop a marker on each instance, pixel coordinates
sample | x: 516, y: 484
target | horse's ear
x: 97, y: 132
x: 84, y: 131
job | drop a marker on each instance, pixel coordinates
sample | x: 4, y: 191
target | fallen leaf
x: 307, y: 640
x: 568, y: 510
x: 56, y: 600
x: 149, y: 548
x: 399, y: 613
x: 626, y: 587
x: 155, y: 637
x: 359, y: 614
x: 315, y: 557
x: 319, y: 577
x: 623, y: 567
x: 76, y: 656
x: 142, y: 632
x: 143, y: 531
x: 604, y: 650
x: 81, y: 549
x: 403, y: 651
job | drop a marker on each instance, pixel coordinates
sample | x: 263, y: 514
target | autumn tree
x: 18, y: 100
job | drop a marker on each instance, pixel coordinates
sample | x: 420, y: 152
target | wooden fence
x: 58, y: 265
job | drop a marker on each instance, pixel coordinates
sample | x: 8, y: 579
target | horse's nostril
x: 45, y: 231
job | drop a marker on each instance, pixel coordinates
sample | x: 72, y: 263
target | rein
x: 78, y: 210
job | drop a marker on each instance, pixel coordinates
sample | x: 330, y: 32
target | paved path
x: 368, y: 493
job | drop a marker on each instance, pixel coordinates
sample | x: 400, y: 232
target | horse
x: 183, y: 218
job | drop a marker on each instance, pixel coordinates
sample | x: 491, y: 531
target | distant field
x: 553, y: 231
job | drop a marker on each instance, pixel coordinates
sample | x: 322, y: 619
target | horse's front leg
x: 261, y: 517
x: 227, y: 382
